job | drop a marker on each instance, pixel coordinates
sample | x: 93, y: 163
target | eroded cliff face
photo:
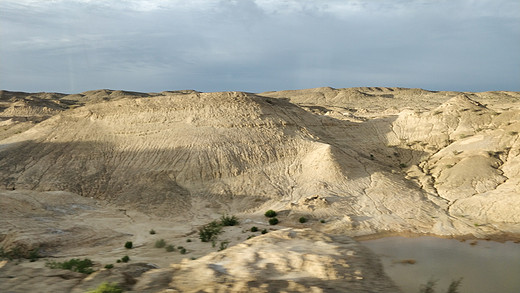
x: 383, y: 159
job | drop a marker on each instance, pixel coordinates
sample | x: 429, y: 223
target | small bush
x: 125, y: 258
x: 223, y: 245
x: 402, y: 165
x: 228, y: 221
x: 264, y: 231
x: 303, y: 220
x: 170, y: 248
x: 188, y: 240
x: 118, y: 261
x: 209, y: 232
x: 254, y: 229
x: 270, y: 214
x: 160, y: 243
x: 273, y: 221
x: 107, y: 288
x: 322, y: 221
x: 109, y: 266
x: 152, y: 232
x: 76, y: 265
x: 129, y: 245
x: 183, y: 250
x: 34, y: 255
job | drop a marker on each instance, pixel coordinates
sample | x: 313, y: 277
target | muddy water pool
x: 485, y: 266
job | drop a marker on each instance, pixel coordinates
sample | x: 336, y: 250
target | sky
x: 71, y: 46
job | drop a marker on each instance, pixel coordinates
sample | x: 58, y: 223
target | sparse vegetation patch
x: 76, y: 265
x: 210, y: 231
x: 160, y: 243
x: 107, y: 288
x: 229, y: 220
x: 18, y: 253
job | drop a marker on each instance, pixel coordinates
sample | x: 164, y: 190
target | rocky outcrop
x: 285, y: 260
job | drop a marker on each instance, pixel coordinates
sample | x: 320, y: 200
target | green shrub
x: 210, y: 231
x: 34, y: 255
x: 160, y: 243
x: 228, y: 221
x: 273, y: 221
x: 270, y: 214
x: 18, y: 253
x: 264, y: 231
x: 152, y: 232
x: 76, y: 265
x: 223, y: 245
x: 322, y: 221
x: 125, y: 258
x: 188, y: 240
x: 109, y: 266
x: 183, y: 250
x: 129, y: 245
x: 107, y: 288
x: 303, y: 220
x: 170, y: 248
x: 254, y: 229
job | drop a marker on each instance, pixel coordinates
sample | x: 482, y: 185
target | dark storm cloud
x: 260, y: 45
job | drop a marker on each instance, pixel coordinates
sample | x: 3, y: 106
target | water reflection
x: 485, y: 266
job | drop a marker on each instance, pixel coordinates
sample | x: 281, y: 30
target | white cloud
x: 258, y: 45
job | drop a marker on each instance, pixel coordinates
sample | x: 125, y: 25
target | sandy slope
x: 364, y: 160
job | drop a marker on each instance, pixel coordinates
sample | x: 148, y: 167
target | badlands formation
x: 81, y: 174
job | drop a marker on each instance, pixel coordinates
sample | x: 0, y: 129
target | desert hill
x: 162, y: 152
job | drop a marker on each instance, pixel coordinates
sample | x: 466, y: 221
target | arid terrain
x: 82, y: 174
